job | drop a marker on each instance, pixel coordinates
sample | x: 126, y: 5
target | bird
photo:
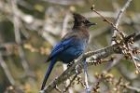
x: 71, y: 46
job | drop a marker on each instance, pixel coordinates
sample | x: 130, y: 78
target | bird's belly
x: 71, y: 53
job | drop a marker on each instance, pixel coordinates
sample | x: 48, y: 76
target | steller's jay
x: 71, y: 46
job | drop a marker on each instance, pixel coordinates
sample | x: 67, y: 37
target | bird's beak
x: 90, y: 24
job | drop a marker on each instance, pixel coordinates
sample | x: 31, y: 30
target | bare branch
x: 6, y: 70
x: 118, y: 18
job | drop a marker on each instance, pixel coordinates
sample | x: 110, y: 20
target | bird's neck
x: 83, y: 30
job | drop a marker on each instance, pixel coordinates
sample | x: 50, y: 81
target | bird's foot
x: 70, y: 64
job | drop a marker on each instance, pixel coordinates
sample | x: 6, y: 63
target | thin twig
x: 86, y: 76
x: 71, y: 81
x: 133, y: 88
x: 6, y: 70
x: 122, y: 35
x: 118, y: 19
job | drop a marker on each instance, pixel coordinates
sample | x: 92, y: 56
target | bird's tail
x: 51, y: 65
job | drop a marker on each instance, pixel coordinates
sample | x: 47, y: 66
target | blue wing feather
x: 61, y: 46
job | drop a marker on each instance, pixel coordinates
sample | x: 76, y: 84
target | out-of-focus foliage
x: 30, y: 28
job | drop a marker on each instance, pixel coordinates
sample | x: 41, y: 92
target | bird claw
x: 70, y: 64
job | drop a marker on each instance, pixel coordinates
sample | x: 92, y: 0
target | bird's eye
x: 85, y: 21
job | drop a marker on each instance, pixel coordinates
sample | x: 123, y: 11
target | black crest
x: 80, y: 20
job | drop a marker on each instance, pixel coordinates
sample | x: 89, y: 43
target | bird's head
x: 81, y: 21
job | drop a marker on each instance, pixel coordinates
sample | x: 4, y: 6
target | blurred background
x: 30, y: 28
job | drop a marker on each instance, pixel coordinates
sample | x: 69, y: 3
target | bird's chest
x: 76, y: 48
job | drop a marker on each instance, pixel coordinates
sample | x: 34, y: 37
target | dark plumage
x: 71, y: 46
